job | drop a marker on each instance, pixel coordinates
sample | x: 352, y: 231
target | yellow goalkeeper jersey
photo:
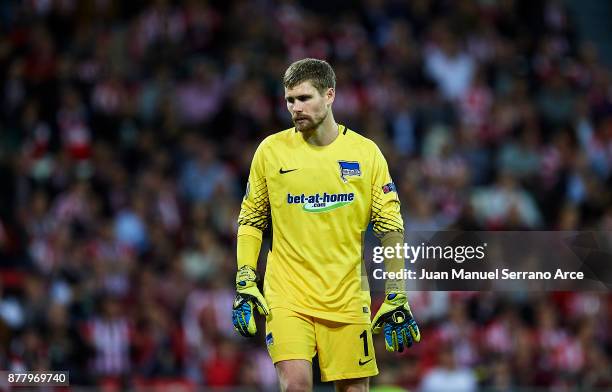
x: 319, y: 199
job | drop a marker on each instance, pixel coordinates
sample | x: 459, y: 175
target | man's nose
x: 297, y: 107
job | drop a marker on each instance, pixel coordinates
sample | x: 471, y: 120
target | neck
x: 323, y: 134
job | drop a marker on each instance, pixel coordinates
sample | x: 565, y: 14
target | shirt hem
x: 328, y: 316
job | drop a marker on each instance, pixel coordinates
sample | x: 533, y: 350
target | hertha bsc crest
x: 349, y: 169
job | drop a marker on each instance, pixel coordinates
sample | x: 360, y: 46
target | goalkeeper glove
x: 247, y: 298
x: 395, y: 319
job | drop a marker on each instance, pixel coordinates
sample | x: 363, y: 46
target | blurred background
x: 127, y: 129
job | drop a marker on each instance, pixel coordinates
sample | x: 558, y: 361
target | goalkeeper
x: 320, y: 185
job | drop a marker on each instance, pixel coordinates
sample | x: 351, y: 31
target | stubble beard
x: 310, y: 124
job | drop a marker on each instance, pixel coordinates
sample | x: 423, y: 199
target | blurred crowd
x: 127, y: 129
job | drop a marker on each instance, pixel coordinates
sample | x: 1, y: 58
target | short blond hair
x: 318, y: 72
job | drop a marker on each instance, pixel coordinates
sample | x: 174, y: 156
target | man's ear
x: 330, y: 95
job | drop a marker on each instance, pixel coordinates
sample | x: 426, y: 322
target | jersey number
x: 364, y: 336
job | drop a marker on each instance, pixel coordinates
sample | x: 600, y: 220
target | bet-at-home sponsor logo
x: 321, y: 202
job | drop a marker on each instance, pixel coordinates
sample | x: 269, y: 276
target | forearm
x: 393, y: 264
x: 248, y: 297
x: 248, y: 246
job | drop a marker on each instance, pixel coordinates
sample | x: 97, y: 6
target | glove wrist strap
x: 245, y: 275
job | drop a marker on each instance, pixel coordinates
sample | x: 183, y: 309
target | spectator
x: 447, y: 376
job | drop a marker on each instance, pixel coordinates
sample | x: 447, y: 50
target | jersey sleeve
x: 385, y: 215
x: 255, y: 208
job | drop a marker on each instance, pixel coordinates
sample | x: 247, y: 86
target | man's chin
x: 303, y: 127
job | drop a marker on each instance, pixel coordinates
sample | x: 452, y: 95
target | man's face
x: 308, y: 108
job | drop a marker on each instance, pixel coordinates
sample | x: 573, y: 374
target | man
x: 321, y: 184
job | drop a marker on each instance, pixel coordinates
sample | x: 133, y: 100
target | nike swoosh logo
x: 363, y: 363
x: 281, y: 171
